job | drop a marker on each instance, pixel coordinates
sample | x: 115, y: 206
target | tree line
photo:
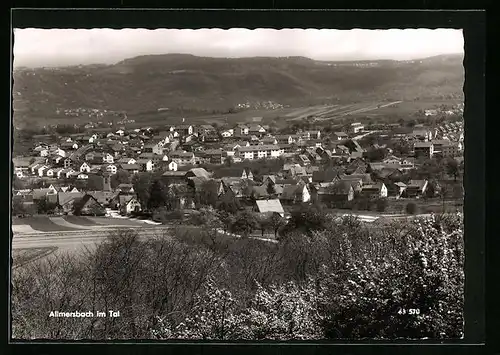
x: 325, y: 279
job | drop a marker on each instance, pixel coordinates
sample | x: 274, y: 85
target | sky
x: 61, y: 47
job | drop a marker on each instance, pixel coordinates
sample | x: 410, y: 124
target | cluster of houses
x: 316, y: 167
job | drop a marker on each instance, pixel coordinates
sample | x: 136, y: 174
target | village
x: 394, y: 170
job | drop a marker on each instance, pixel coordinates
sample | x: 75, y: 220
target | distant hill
x: 146, y: 83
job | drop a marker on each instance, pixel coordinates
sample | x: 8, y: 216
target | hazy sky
x: 58, y: 47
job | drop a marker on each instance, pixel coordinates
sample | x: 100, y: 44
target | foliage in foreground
x: 342, y: 281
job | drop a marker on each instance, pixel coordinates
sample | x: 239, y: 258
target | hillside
x: 147, y: 83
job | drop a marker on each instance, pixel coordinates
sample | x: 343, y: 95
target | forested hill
x: 149, y: 82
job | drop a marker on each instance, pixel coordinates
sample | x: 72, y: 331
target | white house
x: 110, y: 168
x: 42, y: 169
x: 44, y: 152
x: 120, y: 132
x: 59, y: 152
x: 132, y: 205
x: 172, y: 166
x: 67, y: 163
x: 84, y: 168
x: 108, y: 158
x: 82, y: 176
x: 227, y: 133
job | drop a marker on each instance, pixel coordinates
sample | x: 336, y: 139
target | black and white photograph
x: 237, y: 184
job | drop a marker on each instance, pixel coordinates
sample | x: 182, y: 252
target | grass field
x: 23, y: 256
x: 69, y: 223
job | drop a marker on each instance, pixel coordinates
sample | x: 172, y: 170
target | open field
x: 69, y: 223
x: 23, y: 256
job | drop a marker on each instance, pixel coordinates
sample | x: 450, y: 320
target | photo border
x: 474, y: 28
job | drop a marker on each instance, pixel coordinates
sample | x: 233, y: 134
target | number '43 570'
x: 410, y: 311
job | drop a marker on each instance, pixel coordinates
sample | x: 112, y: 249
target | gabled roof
x: 325, y: 175
x: 376, y: 186
x: 290, y: 192
x: 365, y: 178
x: 130, y: 166
x: 264, y: 206
x: 65, y: 197
x: 417, y: 183
x: 174, y: 173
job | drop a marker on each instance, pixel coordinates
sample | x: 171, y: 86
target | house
x: 374, y: 190
x: 145, y: 164
x: 125, y: 188
x: 269, y: 141
x: 227, y: 133
x: 256, y: 130
x: 240, y: 173
x: 205, y: 128
x: 120, y: 132
x: 423, y: 149
x: 295, y: 194
x: 131, y: 168
x: 172, y: 166
x: 422, y: 134
x: 67, y: 163
x: 169, y: 177
x: 21, y: 166
x: 259, y: 152
x: 108, y: 158
x: 391, y: 159
x: 67, y: 199
x: 155, y: 148
x: 415, y: 188
x: 315, y: 134
x: 88, y: 206
x: 125, y: 160
x: 356, y: 127
x: 52, y: 172
x: 339, y: 136
x: 284, y: 139
x: 183, y: 130
x: 41, y: 170
x: 327, y: 175
x: 182, y: 158
x: 364, y: 179
x: 446, y: 148
x: 210, y: 137
x: 84, y: 167
x: 339, y: 191
x: 212, y: 156
x: 69, y: 145
x: 396, y: 189
x: 269, y: 206
x: 304, y: 159
x: 110, y: 168
x: 129, y: 204
x: 241, y: 130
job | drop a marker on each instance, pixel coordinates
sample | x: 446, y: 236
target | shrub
x: 411, y: 208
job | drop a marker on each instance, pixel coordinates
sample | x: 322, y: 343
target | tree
x: 142, y: 183
x: 307, y: 218
x: 228, y: 161
x: 18, y: 207
x: 44, y: 206
x: 452, y: 168
x: 376, y: 154
x: 276, y: 222
x: 17, y: 183
x: 208, y: 193
x: 157, y: 195
x: 245, y: 223
x: 381, y: 204
x: 94, y: 183
x: 411, y: 208
x: 271, y: 190
x: 121, y: 177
